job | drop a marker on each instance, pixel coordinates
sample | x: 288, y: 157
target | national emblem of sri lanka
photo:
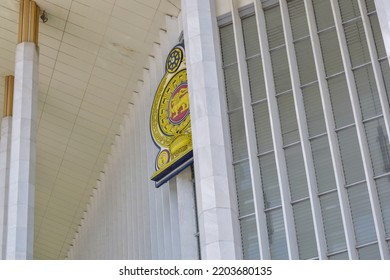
x: 170, y: 122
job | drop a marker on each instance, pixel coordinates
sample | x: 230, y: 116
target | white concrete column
x: 5, y: 149
x: 383, y: 11
x: 22, y: 166
x: 187, y: 216
x: 216, y: 201
x: 20, y: 232
x: 5, y: 154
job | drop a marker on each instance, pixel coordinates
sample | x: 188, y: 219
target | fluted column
x: 20, y: 235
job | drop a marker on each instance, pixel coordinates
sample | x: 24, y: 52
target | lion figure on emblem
x: 179, y: 103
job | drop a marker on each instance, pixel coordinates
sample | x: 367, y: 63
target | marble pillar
x: 5, y: 150
x: 22, y: 165
x: 5, y: 145
x: 383, y: 11
x: 20, y: 233
x: 216, y: 201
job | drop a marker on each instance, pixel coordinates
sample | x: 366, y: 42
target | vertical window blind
x: 333, y: 224
x: 330, y: 52
x: 323, y: 14
x: 349, y: 153
x: 384, y: 197
x: 239, y: 146
x: 339, y: 96
x: 349, y: 9
x: 361, y: 214
x: 323, y: 164
x: 313, y: 110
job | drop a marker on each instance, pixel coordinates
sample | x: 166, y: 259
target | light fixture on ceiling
x: 44, y: 17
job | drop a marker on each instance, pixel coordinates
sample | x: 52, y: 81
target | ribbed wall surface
x: 127, y: 217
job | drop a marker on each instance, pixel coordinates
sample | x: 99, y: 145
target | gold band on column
x: 28, y: 22
x: 8, y: 96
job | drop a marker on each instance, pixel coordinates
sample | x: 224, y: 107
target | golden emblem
x: 170, y: 121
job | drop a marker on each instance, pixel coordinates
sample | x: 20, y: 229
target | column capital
x: 28, y: 22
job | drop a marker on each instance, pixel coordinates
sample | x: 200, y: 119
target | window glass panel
x: 323, y: 14
x: 273, y: 21
x: 305, y: 230
x: 356, y: 43
x: 383, y: 186
x: 296, y: 172
x: 277, y: 234
x: 350, y: 155
x: 280, y: 70
x: 305, y: 60
x: 361, y: 214
x: 370, y: 252
x: 232, y: 85
x: 386, y: 75
x: 331, y: 52
x: 269, y: 179
x: 251, y: 39
x: 228, y: 45
x: 341, y: 104
x: 263, y: 128
x: 256, y: 78
x: 376, y: 30
x: 349, y: 9
x: 237, y: 134
x: 333, y: 224
x: 341, y: 256
x: 250, y: 243
x: 367, y: 92
x: 313, y: 110
x: 288, y: 118
x: 297, y: 13
x: 323, y: 164
x: 378, y: 143
x: 244, y: 188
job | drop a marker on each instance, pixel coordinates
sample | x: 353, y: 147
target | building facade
x: 289, y: 106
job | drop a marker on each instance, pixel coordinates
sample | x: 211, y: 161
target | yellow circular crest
x: 170, y: 122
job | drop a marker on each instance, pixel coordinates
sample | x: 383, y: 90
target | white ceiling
x: 92, y: 53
